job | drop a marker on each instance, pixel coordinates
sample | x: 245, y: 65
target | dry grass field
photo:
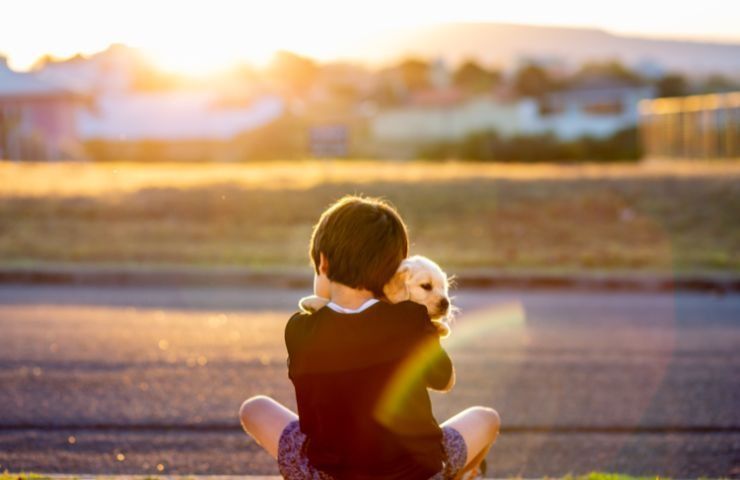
x: 652, y: 216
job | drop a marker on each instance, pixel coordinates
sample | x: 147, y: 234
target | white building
x: 445, y: 115
x: 178, y: 115
x: 112, y: 70
x: 595, y: 109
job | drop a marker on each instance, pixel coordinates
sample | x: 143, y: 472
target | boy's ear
x: 323, y: 263
x: 397, y: 290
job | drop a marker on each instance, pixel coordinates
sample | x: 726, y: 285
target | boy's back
x: 360, y: 381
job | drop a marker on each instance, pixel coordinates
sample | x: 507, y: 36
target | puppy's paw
x: 443, y: 328
x: 312, y: 303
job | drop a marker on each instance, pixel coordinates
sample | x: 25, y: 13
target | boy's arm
x: 451, y: 383
x: 312, y: 303
x: 290, y: 334
x: 439, y: 372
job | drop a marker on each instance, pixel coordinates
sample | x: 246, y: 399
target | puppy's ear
x: 397, y: 290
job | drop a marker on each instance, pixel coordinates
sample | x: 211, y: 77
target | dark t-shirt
x: 361, y: 386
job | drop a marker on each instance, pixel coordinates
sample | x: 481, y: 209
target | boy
x: 361, y: 368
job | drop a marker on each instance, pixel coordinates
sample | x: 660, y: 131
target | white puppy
x: 418, y: 279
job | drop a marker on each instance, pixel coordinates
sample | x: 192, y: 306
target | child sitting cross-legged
x: 361, y: 367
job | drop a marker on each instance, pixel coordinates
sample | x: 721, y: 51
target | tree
x: 472, y: 77
x: 293, y: 71
x: 533, y: 81
x: 719, y: 83
x: 385, y: 94
x: 414, y: 73
x: 613, y: 69
x: 672, y: 85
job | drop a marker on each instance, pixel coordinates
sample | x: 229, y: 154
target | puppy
x: 418, y: 279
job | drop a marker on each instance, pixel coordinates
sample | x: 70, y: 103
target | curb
x: 301, y: 278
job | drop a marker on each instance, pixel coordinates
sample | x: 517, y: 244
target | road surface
x: 149, y: 380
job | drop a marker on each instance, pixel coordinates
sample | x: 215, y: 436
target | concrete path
x: 122, y: 380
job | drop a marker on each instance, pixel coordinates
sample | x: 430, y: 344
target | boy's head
x: 364, y: 241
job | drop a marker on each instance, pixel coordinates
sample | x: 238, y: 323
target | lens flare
x: 503, y: 317
x: 393, y: 400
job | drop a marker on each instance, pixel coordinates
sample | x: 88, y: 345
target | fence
x: 696, y: 126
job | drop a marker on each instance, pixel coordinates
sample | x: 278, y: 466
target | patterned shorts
x: 294, y: 464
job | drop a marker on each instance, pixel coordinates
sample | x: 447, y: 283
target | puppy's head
x: 422, y: 281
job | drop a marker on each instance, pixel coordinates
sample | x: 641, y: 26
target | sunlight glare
x: 503, y: 317
x: 196, y: 37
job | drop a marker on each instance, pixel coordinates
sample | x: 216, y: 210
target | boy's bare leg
x: 264, y: 419
x: 479, y: 427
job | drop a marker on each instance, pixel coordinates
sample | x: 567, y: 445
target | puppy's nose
x: 444, y: 304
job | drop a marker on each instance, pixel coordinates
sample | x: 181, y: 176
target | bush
x: 490, y: 146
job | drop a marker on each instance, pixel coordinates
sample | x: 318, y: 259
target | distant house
x: 174, y: 116
x: 125, y: 110
x: 592, y: 108
x: 110, y: 70
x: 446, y: 115
x: 595, y: 107
x: 37, y: 118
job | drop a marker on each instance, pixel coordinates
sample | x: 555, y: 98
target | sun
x: 195, y: 43
x: 197, y: 60
x: 198, y: 42
x: 209, y: 48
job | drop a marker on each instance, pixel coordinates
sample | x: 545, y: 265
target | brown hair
x: 364, y: 240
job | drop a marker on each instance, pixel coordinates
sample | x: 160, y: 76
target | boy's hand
x: 312, y: 303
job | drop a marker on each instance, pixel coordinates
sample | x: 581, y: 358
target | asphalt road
x: 123, y: 380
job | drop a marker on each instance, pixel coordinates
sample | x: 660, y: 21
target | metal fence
x: 696, y: 126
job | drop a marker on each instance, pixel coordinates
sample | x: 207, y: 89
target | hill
x: 506, y: 43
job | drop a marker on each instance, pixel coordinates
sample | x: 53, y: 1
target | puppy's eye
x: 426, y: 286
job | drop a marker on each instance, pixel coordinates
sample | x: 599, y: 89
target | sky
x: 191, y: 36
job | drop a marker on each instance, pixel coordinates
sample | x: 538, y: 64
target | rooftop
x: 22, y: 85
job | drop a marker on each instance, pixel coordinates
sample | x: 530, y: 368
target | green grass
x: 21, y: 476
x: 567, y: 221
